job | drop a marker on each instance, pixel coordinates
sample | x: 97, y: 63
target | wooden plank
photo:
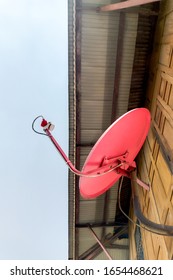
x: 149, y: 246
x: 151, y: 174
x: 124, y: 5
x: 162, y: 87
x: 147, y: 161
x: 168, y: 221
x: 158, y: 241
x: 157, y: 116
x: 167, y: 77
x: 167, y: 39
x: 163, y: 68
x: 155, y: 151
x: 165, y: 54
x: 167, y: 111
x: 157, y: 85
x: 168, y: 135
x: 167, y: 92
x: 170, y: 100
x: 132, y: 251
x: 167, y: 154
x: 162, y: 122
x: 158, y: 149
x: 168, y: 25
x: 166, y: 7
x: 171, y: 199
x: 159, y: 194
x: 165, y: 174
x: 163, y: 253
x: 145, y: 246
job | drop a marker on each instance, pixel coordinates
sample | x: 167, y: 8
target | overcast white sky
x: 33, y: 177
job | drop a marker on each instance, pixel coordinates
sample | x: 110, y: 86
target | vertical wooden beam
x: 124, y: 5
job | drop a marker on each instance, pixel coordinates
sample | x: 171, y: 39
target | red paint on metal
x: 43, y: 123
x: 125, y: 136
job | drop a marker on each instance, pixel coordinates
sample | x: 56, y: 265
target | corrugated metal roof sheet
x: 71, y: 127
x: 98, y: 50
x: 99, y: 34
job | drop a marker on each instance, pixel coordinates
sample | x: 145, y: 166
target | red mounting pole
x: 57, y: 146
x: 114, y: 164
x: 93, y: 173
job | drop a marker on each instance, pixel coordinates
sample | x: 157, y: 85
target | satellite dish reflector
x: 119, y: 144
x: 112, y: 156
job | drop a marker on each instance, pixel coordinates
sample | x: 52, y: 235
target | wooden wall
x: 155, y: 162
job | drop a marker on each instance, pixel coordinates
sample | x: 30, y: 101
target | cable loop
x: 140, y: 226
x: 33, y: 126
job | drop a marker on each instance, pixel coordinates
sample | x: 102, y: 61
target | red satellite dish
x: 112, y: 157
x: 120, y: 142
